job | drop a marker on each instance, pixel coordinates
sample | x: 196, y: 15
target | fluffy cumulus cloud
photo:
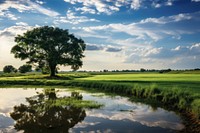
x: 136, y: 4
x: 42, y: 10
x: 19, y: 5
x: 92, y: 5
x: 113, y: 49
x: 12, y: 31
x: 195, y: 0
x: 86, y: 10
x: 130, y: 29
x: 7, y: 42
x: 93, y: 47
x: 150, y: 29
x: 72, y: 18
x: 8, y: 14
x: 21, y: 24
x: 169, y: 57
x: 158, y: 4
x: 39, y: 2
x: 112, y: 6
x: 24, y: 6
x: 170, y: 19
x: 106, y: 48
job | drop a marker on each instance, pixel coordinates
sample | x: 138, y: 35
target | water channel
x: 118, y: 115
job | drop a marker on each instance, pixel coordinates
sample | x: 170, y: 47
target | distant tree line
x: 27, y: 68
x: 141, y: 70
x: 22, y: 69
x: 45, y: 70
x: 144, y: 70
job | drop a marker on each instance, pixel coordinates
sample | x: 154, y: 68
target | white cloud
x: 99, y: 5
x: 8, y: 14
x: 179, y: 51
x: 180, y: 17
x: 113, y: 49
x: 106, y: 48
x: 7, y: 36
x: 111, y: 6
x: 72, y: 18
x: 195, y: 0
x: 86, y: 10
x: 182, y: 57
x: 170, y: 19
x: 120, y: 3
x: 39, y: 2
x: 42, y: 10
x: 18, y: 5
x: 149, y: 29
x: 131, y: 29
x: 169, y: 3
x: 26, y: 5
x: 136, y: 4
x: 94, y: 47
x: 12, y: 31
x: 153, y: 20
x: 21, y: 24
x: 156, y: 5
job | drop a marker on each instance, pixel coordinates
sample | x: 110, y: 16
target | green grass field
x: 148, y: 77
x: 181, y: 80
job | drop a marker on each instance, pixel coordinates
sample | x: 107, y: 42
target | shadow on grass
x: 58, y: 77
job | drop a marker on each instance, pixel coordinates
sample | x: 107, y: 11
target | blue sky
x: 120, y: 34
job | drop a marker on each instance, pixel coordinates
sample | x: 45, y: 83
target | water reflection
x: 40, y: 113
x: 43, y: 114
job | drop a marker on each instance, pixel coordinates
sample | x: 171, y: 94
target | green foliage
x: 45, y: 70
x: 49, y: 46
x: 142, y: 70
x: 9, y: 69
x: 25, y: 68
x: 195, y: 106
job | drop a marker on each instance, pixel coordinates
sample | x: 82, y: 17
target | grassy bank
x: 180, y: 92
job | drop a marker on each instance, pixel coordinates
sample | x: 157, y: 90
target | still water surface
x: 118, y: 115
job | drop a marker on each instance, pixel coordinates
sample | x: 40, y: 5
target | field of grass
x: 169, y: 80
x: 147, y: 77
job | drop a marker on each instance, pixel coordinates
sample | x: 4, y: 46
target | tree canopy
x: 9, y: 69
x: 25, y: 68
x: 49, y: 46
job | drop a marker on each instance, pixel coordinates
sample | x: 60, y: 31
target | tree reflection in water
x: 44, y: 114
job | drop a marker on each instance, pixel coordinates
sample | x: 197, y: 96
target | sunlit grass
x: 146, y: 77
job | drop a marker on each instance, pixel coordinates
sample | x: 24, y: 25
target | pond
x: 117, y: 115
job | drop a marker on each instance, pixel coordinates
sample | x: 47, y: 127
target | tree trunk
x: 52, y: 70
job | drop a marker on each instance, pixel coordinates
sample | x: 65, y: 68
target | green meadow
x: 184, y: 81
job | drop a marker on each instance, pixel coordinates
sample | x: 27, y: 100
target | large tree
x: 49, y: 46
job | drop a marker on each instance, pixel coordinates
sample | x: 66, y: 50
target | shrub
x: 9, y: 69
x: 25, y: 68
